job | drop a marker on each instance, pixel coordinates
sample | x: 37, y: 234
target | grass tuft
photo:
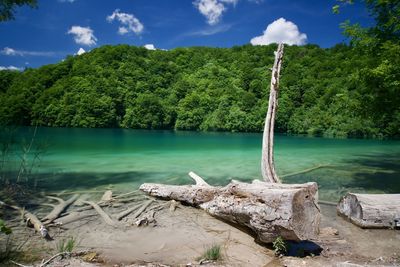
x: 66, y: 245
x: 212, y: 253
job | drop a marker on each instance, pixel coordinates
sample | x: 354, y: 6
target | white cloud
x: 83, y: 35
x: 281, y: 31
x: 213, y: 9
x: 80, y: 51
x: 66, y: 1
x: 8, y: 51
x: 129, y: 22
x: 10, y: 68
x: 150, y: 47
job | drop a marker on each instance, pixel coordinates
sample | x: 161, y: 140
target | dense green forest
x: 343, y: 91
x: 340, y: 91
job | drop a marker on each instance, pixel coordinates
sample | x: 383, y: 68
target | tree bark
x: 55, y: 213
x: 371, y: 210
x: 268, y: 209
x: 31, y: 219
x: 267, y: 159
x: 102, y: 213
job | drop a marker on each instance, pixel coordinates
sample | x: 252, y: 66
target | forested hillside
x: 340, y: 91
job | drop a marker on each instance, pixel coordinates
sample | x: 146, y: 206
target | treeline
x: 340, y: 91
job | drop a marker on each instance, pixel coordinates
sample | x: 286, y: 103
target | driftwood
x: 126, y: 212
x: 30, y: 219
x: 143, y: 208
x: 307, y: 170
x: 107, y: 196
x: 267, y: 159
x: 268, y: 209
x: 55, y: 213
x: 371, y: 210
x: 137, y: 192
x: 73, y: 217
x: 102, y: 213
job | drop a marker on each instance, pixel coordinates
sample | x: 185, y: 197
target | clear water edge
x: 86, y: 159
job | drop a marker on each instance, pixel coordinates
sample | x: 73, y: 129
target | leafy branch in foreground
x: 7, y: 7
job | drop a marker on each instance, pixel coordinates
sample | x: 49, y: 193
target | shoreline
x: 177, y: 238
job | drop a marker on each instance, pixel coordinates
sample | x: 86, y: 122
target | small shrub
x: 66, y: 245
x: 280, y: 246
x: 4, y: 229
x: 212, y: 253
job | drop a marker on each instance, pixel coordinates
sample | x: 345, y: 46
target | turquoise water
x: 80, y: 159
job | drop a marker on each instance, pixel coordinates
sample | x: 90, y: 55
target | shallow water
x: 80, y: 159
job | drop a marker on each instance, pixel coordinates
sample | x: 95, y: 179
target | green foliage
x: 386, y: 14
x: 66, y: 245
x: 342, y: 91
x: 7, y: 7
x: 4, y: 229
x: 212, y: 253
x: 280, y: 246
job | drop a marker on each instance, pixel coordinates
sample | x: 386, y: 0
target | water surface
x: 96, y: 158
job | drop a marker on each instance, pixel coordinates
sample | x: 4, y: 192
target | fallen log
x: 126, y: 212
x: 31, y: 219
x: 102, y: 213
x: 57, y: 210
x: 143, y: 208
x: 306, y: 170
x: 371, y: 210
x: 73, y: 217
x: 268, y: 209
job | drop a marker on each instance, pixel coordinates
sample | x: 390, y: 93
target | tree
x: 386, y: 14
x: 7, y: 7
x: 379, y: 80
x: 342, y: 91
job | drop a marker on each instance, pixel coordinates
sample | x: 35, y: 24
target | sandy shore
x: 178, y: 238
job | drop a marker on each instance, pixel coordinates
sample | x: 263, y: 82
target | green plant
x: 280, y: 246
x: 66, y: 245
x: 212, y: 253
x: 4, y: 229
x: 8, y: 248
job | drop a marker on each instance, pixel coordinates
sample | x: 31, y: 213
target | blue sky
x: 61, y: 27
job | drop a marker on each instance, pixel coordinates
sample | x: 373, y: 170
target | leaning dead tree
x: 371, y: 210
x: 268, y: 209
x: 267, y: 159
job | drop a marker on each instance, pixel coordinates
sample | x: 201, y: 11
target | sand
x: 179, y: 238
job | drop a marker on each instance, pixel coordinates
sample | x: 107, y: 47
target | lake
x: 86, y: 159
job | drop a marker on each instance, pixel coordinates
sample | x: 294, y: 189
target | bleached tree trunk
x: 268, y: 209
x: 371, y: 210
x: 267, y: 159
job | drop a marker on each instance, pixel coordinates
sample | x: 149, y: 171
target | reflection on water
x: 97, y: 158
